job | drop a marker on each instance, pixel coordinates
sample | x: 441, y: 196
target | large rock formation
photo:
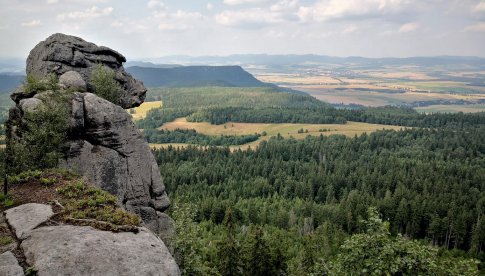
x: 103, y: 143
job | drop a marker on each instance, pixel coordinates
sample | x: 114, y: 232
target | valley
x: 429, y: 89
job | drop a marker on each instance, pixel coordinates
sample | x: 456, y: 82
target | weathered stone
x: 62, y: 53
x: 29, y: 105
x: 9, y: 266
x: 74, y: 250
x: 166, y: 228
x: 26, y: 217
x: 111, y: 152
x: 73, y: 80
x: 160, y: 203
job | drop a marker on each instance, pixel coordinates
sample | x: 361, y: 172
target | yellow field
x: 141, y: 111
x: 297, y: 79
x: 349, y: 129
x: 400, y: 75
x: 286, y: 130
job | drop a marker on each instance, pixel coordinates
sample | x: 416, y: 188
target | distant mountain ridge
x: 190, y: 76
x: 266, y: 59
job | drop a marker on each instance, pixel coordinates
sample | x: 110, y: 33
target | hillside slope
x: 191, y: 76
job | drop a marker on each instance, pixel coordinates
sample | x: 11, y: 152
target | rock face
x: 111, y: 152
x: 82, y: 250
x: 62, y: 53
x: 103, y: 143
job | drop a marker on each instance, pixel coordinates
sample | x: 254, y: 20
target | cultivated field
x: 141, y: 111
x: 286, y: 130
x: 440, y: 89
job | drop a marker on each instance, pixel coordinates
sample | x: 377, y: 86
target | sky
x: 142, y: 29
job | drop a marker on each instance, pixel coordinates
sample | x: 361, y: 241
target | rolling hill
x: 192, y: 76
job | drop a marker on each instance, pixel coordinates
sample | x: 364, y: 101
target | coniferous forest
x: 302, y: 200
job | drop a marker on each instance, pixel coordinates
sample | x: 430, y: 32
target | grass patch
x: 46, y: 177
x: 6, y: 201
x: 4, y: 240
x: 141, y: 111
x: 286, y: 130
x: 85, y: 203
x: 73, y: 199
x: 297, y: 131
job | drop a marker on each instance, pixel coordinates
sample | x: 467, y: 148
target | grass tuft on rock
x: 85, y: 203
x: 75, y: 201
x: 5, y: 240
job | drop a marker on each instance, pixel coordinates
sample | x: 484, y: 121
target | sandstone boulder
x: 26, y: 217
x: 73, y: 80
x: 76, y: 250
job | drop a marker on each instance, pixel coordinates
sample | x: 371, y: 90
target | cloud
x: 183, y: 15
x: 248, y: 18
x: 93, y: 12
x: 408, y: 27
x: 154, y: 4
x: 117, y: 24
x: 52, y: 1
x: 172, y: 27
x: 479, y: 27
x: 33, y: 23
x: 480, y: 7
x: 209, y: 6
x: 350, y: 29
x: 324, y: 10
x: 285, y: 6
x: 240, y: 2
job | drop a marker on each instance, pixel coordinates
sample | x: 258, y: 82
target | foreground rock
x: 76, y: 250
x: 9, y: 266
x: 25, y: 218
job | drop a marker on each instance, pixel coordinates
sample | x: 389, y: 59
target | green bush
x: 43, y: 135
x: 34, y: 84
x: 103, y: 80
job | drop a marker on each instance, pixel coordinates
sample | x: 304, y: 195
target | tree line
x: 190, y: 136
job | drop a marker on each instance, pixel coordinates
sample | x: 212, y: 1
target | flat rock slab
x: 82, y: 250
x: 9, y: 266
x: 26, y: 217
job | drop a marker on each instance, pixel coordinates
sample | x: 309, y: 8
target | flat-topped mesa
x: 61, y: 53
